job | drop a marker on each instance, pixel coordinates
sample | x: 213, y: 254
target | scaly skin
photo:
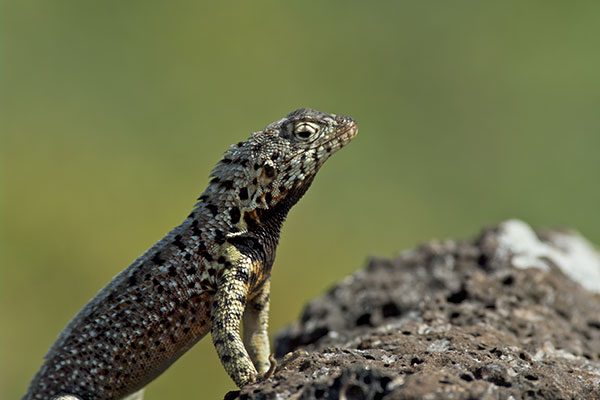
x: 211, y: 273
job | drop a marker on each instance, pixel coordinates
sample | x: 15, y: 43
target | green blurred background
x: 113, y: 114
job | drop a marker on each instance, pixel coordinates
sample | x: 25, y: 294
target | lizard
x: 209, y: 274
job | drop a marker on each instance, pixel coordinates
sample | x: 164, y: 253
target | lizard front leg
x: 256, y: 321
x: 226, y: 314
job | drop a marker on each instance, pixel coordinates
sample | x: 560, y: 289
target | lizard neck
x: 263, y: 227
x: 272, y: 218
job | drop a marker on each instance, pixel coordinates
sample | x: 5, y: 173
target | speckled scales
x: 211, y: 273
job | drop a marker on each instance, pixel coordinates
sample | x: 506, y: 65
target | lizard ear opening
x: 269, y: 170
x: 268, y: 173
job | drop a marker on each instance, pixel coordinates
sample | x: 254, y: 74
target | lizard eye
x: 306, y: 130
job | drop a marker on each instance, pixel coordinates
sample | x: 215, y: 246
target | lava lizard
x: 211, y: 273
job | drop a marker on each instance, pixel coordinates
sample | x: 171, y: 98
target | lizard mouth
x: 344, y: 137
x: 351, y: 132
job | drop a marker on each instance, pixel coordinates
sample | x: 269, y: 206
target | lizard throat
x: 264, y: 227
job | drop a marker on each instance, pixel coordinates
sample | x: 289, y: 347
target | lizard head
x: 307, y: 134
x: 275, y: 166
x: 290, y: 152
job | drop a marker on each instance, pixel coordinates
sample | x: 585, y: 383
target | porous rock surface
x: 499, y: 317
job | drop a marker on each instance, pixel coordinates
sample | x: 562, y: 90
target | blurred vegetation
x: 113, y: 114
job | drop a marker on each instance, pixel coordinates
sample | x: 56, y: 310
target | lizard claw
x: 270, y: 371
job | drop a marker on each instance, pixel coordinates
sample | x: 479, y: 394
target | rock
x: 510, y: 315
